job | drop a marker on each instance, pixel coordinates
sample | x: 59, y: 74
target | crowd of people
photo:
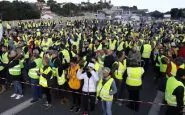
x: 99, y: 59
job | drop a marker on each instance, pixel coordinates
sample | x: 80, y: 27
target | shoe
x: 77, y: 110
x: 72, y: 108
x: 19, y: 96
x: 47, y: 106
x: 85, y: 113
x: 33, y: 101
x: 13, y: 95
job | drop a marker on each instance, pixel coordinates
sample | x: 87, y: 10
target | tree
x: 174, y: 13
x: 51, y: 2
x: 18, y: 10
x: 43, y: 1
x: 177, y: 13
x: 156, y: 14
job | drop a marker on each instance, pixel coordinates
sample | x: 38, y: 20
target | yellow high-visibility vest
x: 121, y: 69
x: 112, y: 44
x: 147, y: 51
x: 171, y: 85
x: 61, y: 79
x: 134, y: 76
x: 33, y: 71
x: 104, y: 90
x: 43, y: 81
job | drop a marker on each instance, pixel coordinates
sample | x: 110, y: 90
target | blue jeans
x: 106, y: 107
x: 17, y: 87
x: 36, y: 89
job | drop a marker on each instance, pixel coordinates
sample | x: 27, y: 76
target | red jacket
x: 181, y: 52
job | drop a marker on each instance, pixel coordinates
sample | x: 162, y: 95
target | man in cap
x: 105, y: 90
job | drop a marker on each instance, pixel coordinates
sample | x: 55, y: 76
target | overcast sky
x: 161, y: 5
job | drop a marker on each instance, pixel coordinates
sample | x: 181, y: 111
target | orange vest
x: 74, y: 83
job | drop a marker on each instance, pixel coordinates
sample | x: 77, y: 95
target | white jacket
x: 92, y: 81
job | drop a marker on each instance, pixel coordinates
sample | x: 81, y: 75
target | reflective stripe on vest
x: 134, y: 76
x: 147, y: 51
x: 104, y: 90
x: 171, y: 85
x: 16, y: 70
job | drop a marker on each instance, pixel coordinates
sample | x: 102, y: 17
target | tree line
x: 18, y: 10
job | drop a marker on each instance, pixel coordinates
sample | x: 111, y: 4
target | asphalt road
x: 148, y: 93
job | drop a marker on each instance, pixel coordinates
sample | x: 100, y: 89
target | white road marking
x: 18, y: 108
x: 155, y: 109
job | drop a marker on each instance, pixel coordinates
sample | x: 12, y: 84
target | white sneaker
x: 13, y: 95
x: 19, y: 96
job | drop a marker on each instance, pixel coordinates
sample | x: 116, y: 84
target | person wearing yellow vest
x: 157, y: 62
x: 163, y: 65
x: 74, y: 85
x: 33, y: 68
x: 105, y: 91
x: 62, y: 79
x: 45, y: 74
x: 146, y: 50
x: 174, y: 65
x: 174, y: 93
x: 3, y: 60
x: 112, y: 44
x: 45, y: 44
x: 14, y: 73
x: 97, y: 46
x: 134, y: 83
x: 118, y: 70
x: 65, y: 53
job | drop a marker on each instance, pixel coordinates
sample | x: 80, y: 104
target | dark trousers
x: 76, y: 97
x: 173, y: 111
x: 62, y: 94
x: 134, y: 95
x: 46, y: 91
x: 146, y: 60
x: 157, y: 71
x: 36, y: 89
x: 120, y: 87
x: 89, y: 101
